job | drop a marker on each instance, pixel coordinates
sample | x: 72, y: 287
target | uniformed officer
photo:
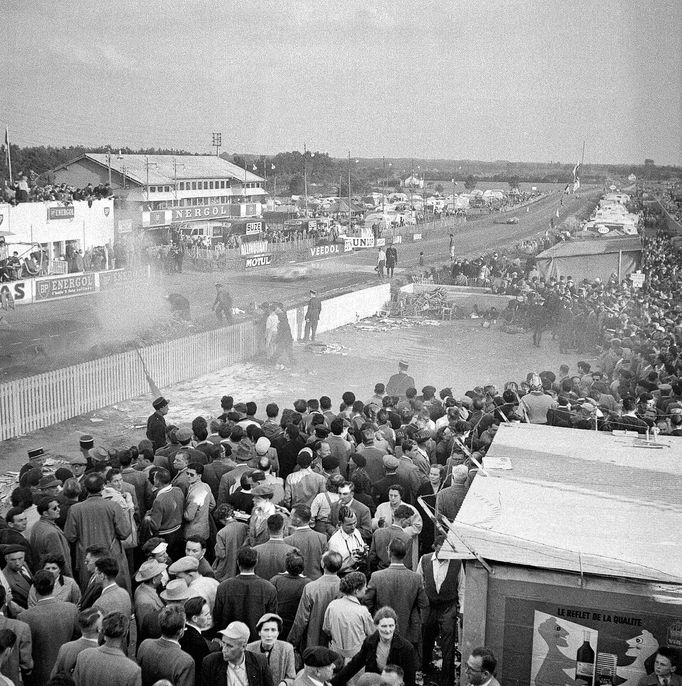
x: 312, y: 316
x: 156, y: 424
x: 400, y: 382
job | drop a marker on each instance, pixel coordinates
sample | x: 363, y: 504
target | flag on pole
x: 255, y: 168
x: 272, y: 166
x: 576, y: 177
x: 8, y: 154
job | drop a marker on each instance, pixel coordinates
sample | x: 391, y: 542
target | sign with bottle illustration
x: 554, y: 645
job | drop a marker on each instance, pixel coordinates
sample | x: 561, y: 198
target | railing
x: 38, y: 401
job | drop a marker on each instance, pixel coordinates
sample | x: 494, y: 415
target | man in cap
x: 187, y: 568
x: 86, y: 444
x: 17, y: 576
x: 400, y: 382
x: 156, y: 423
x: 263, y: 507
x: 222, y: 305
x: 234, y: 665
x: 312, y: 316
x: 318, y: 667
x: 147, y: 602
x: 79, y: 466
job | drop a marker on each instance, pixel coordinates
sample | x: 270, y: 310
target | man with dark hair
x: 400, y: 588
x: 17, y: 521
x: 113, y: 598
x: 93, y: 589
x: 108, y: 664
x: 289, y: 586
x: 664, y: 670
x: 362, y: 513
x: 246, y: 596
x: 21, y: 658
x: 400, y: 528
x: 139, y: 480
x: 307, y: 627
x: 310, y: 543
x: 199, y: 502
x: 195, y: 546
x: 52, y: 623
x: 16, y: 574
x: 97, y: 521
x: 302, y: 486
x: 165, y: 517
x: 163, y: 658
x: 90, y: 624
x: 480, y: 667
x: 273, y: 553
x: 46, y: 537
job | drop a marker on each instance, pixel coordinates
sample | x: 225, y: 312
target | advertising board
x: 61, y: 286
x: 114, y: 278
x: 257, y: 261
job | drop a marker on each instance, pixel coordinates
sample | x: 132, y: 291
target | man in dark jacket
x: 156, y: 424
x: 312, y: 316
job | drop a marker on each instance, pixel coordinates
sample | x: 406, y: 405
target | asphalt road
x: 36, y: 338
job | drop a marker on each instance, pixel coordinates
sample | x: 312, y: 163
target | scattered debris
x: 327, y: 348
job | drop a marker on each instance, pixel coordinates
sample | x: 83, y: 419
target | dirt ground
x: 459, y: 354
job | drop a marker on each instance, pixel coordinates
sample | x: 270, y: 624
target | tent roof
x: 579, y: 501
x: 593, y: 246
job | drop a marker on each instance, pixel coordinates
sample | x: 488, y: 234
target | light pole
x: 305, y: 178
x: 217, y: 143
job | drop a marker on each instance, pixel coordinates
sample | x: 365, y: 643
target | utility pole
x: 350, y: 210
x: 109, y: 164
x: 217, y: 143
x: 148, y: 164
x: 305, y: 178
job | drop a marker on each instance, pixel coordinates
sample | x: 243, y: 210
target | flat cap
x: 184, y: 564
x: 318, y: 656
x: 263, y: 491
x: 49, y: 482
x: 390, y: 461
x: 11, y: 548
x: 262, y: 445
x: 80, y: 459
x: 183, y: 434
x: 269, y: 617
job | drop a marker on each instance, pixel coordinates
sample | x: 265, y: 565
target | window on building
x: 194, y: 185
x: 152, y: 189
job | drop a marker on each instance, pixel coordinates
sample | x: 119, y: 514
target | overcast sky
x: 516, y: 80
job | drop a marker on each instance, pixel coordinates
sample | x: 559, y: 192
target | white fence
x: 38, y: 401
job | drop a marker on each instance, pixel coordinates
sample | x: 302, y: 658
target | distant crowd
x: 23, y: 189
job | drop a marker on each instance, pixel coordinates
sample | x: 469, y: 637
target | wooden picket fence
x: 38, y: 401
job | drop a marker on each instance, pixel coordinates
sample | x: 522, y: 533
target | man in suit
x: 273, y: 553
x: 47, y: 537
x: 311, y: 544
x: 147, y: 602
x: 444, y: 586
x: 93, y: 588
x: 664, y: 670
x: 364, y: 517
x: 401, y: 589
x: 242, y: 666
x: 307, y: 628
x: 163, y: 658
x: 108, y: 664
x: 90, y: 624
x: 21, y: 658
x: 246, y: 596
x: 197, y: 620
x: 480, y: 667
x: 113, y: 598
x: 318, y: 666
x: 302, y: 486
x: 138, y: 480
x: 52, y: 622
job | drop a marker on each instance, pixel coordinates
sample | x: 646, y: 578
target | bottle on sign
x: 584, y: 664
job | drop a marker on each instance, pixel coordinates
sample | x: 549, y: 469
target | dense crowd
x: 287, y: 542
x: 25, y: 189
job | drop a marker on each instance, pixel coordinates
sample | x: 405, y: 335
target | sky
x: 517, y: 80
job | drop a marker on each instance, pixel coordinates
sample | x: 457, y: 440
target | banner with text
x: 63, y: 286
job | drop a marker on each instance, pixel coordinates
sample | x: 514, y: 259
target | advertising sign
x: 347, y: 245
x: 325, y: 250
x: 183, y: 214
x: 416, y: 236
x: 115, y: 278
x: 396, y: 239
x: 560, y: 645
x: 16, y: 289
x: 125, y: 225
x: 61, y: 286
x: 258, y: 261
x: 61, y: 212
x: 381, y: 242
x: 637, y: 279
x: 362, y: 241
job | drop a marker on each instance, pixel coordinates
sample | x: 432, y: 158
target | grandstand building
x: 193, y: 193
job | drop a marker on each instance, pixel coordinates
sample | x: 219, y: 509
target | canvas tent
x: 577, y: 536
x: 591, y: 258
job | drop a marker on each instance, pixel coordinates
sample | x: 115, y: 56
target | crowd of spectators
x: 25, y: 189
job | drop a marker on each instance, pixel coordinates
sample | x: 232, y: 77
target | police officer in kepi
x: 222, y: 305
x: 156, y: 424
x: 312, y: 316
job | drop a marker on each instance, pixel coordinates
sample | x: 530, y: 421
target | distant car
x: 513, y: 220
x: 509, y: 220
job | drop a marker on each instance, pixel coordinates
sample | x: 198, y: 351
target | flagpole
x: 9, y: 154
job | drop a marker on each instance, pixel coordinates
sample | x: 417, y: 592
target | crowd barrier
x: 38, y: 401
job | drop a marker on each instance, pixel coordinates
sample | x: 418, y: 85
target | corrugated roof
x: 580, y: 501
x: 595, y: 246
x: 163, y: 171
